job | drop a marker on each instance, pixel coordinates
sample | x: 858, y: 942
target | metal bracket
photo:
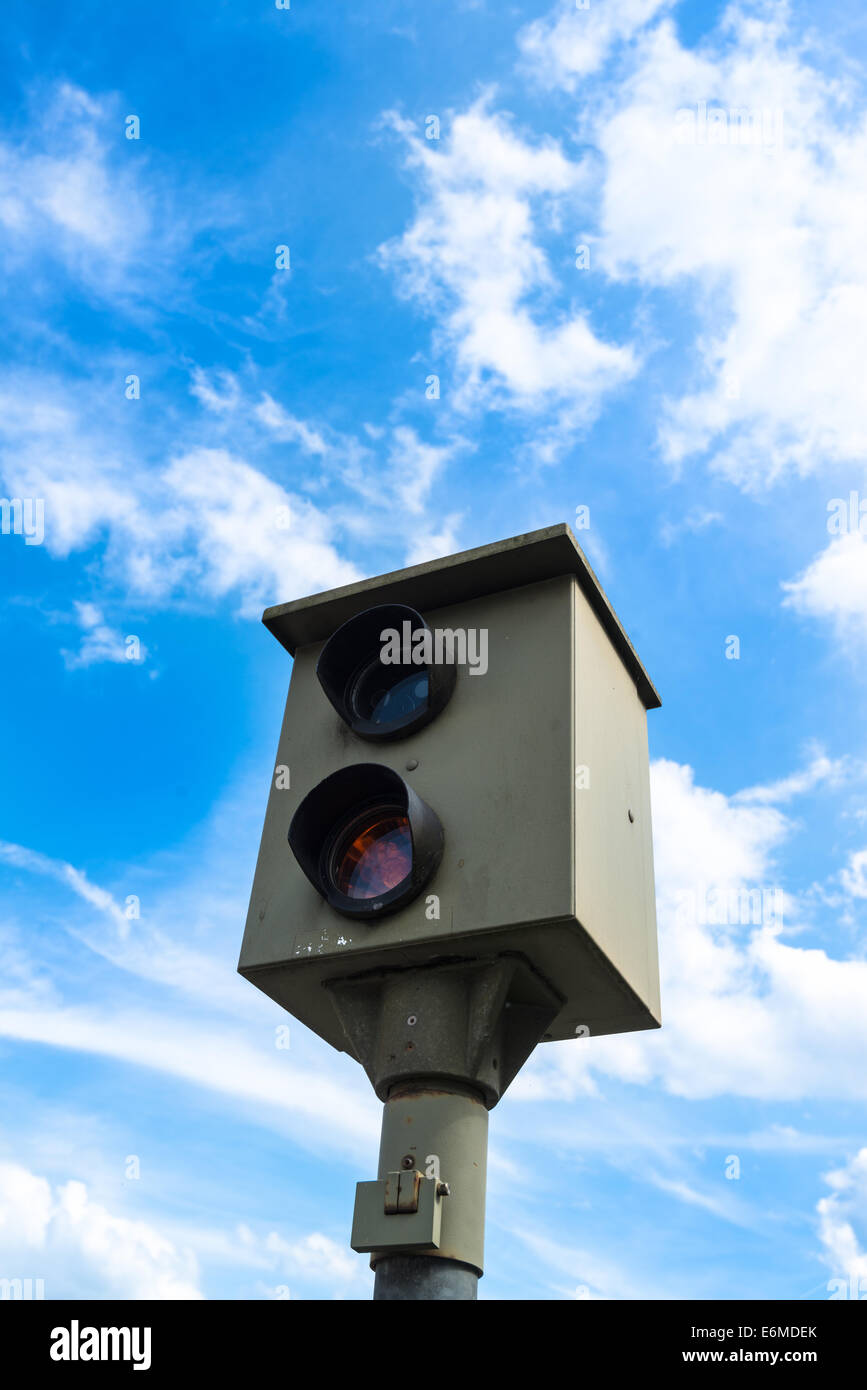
x: 473, y: 1021
x: 401, y: 1192
x: 402, y: 1211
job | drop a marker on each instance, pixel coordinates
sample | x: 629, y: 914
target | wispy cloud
x: 76, y: 193
x: 843, y: 1223
x: 571, y: 42
x: 18, y: 856
x: 821, y: 770
x: 100, y: 642
x: 219, y: 1059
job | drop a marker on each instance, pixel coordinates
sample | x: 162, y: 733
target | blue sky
x: 696, y: 383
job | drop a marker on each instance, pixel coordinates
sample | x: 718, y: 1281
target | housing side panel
x: 614, y: 854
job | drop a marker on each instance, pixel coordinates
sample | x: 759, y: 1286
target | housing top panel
x: 470, y: 574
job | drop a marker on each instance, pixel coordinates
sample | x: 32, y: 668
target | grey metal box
x: 536, y: 862
x: 373, y: 1229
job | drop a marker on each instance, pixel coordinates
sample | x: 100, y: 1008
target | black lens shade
x: 366, y: 841
x: 382, y: 700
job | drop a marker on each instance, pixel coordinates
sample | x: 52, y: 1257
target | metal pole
x: 402, y: 1277
x: 441, y: 1130
x: 440, y: 1043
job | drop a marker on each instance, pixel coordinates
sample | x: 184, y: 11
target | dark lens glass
x: 373, y: 855
x: 383, y: 694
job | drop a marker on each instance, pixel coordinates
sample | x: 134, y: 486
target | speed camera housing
x: 527, y: 783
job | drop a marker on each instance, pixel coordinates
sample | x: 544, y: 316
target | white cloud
x: 101, y: 642
x: 303, y: 1266
x: 589, y: 1275
x: 288, y: 427
x: 843, y: 1222
x: 399, y: 485
x: 235, y: 530
x: 48, y: 450
x: 722, y: 1207
x: 205, y: 526
x: 210, y: 524
x: 820, y: 770
x: 214, y: 1032
x: 854, y: 876
x: 72, y: 188
x: 571, y: 43
x: 213, y: 1056
x: 20, y: 857
x: 768, y: 236
x: 315, y: 1257
x: 432, y: 545
x: 744, y: 1011
x: 473, y: 257
x: 397, y: 490
x: 415, y: 466
x: 152, y: 951
x: 80, y: 1249
x: 211, y: 397
x: 702, y: 836
x: 273, y: 309
x: 833, y: 587
x: 694, y: 522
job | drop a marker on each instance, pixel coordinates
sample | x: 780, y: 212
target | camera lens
x: 372, y: 672
x: 366, y: 841
x: 382, y: 694
x: 373, y: 854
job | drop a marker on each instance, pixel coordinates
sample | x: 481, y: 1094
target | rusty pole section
x: 440, y: 1044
